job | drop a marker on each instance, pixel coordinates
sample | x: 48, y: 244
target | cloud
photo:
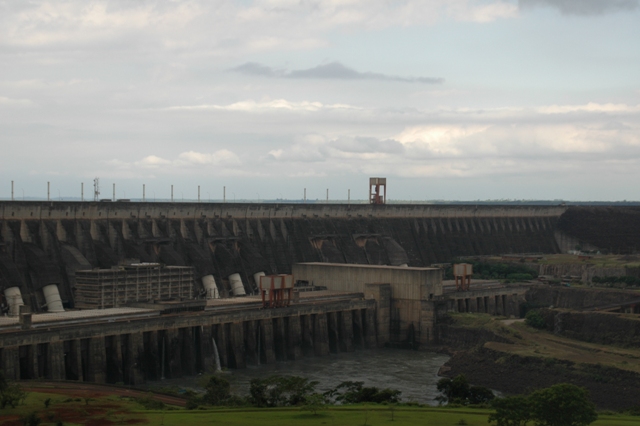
x: 12, y: 102
x: 265, y: 106
x: 223, y: 157
x: 591, y: 107
x: 332, y: 70
x: 582, y: 7
x: 152, y: 161
x: 184, y: 160
x: 360, y: 145
x: 221, y: 28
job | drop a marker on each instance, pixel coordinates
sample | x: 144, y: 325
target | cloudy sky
x: 449, y: 99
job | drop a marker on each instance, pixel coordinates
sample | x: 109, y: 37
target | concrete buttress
x: 345, y: 331
x: 97, y: 362
x: 237, y: 344
x: 320, y: 335
x: 293, y: 337
x: 267, y: 355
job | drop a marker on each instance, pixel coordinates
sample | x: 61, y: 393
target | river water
x: 412, y: 372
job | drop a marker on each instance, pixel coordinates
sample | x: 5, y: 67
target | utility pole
x: 114, y: 192
x: 96, y: 189
x: 11, y: 190
x: 198, y: 193
x: 348, y: 196
x: 82, y: 191
x: 48, y: 191
x: 327, y: 195
x: 305, y: 195
x: 143, y: 193
x: 224, y: 194
x: 172, y: 193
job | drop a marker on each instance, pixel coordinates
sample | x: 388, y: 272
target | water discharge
x: 216, y: 355
x: 412, y: 372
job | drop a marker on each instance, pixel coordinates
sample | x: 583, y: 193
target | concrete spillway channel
x: 129, y: 344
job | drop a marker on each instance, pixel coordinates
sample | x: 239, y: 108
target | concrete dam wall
x: 45, y: 243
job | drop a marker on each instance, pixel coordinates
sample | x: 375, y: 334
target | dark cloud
x: 333, y: 70
x: 582, y: 7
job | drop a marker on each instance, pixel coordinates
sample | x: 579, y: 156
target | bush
x: 31, y: 420
x: 279, y: 391
x: 218, y: 390
x: 563, y: 404
x: 535, y: 319
x: 559, y: 405
x: 519, y: 277
x: 355, y: 393
x: 458, y: 391
x: 150, y: 404
x: 11, y: 394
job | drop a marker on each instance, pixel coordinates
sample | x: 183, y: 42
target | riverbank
x: 513, y: 358
x: 414, y: 373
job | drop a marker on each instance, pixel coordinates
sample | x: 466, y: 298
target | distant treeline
x: 508, y: 272
x: 618, y: 282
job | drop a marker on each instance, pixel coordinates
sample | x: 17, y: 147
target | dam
x: 125, y: 292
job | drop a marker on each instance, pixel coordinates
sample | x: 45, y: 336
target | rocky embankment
x: 610, y: 388
x: 577, y: 298
x: 595, y: 327
x: 477, y: 348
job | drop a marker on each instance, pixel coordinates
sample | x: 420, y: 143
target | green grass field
x: 113, y: 410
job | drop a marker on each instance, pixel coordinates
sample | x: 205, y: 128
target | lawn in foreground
x: 113, y: 410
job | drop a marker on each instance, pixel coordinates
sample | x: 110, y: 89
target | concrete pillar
x: 332, y: 326
x: 491, y: 305
x: 382, y: 294
x: 473, y: 305
x: 251, y: 342
x: 370, y: 334
x: 267, y: 354
x: 134, y: 356
x: 97, y: 356
x: 307, y: 334
x: 11, y: 361
x: 152, y: 356
x: 187, y: 352
x: 77, y: 358
x: 279, y: 341
x: 56, y: 360
x: 222, y: 342
x: 113, y: 352
x: 358, y: 331
x: 206, y: 347
x: 33, y: 362
x: 320, y: 335
x: 499, y: 305
x: 237, y: 345
x: 424, y: 332
x: 345, y: 331
x: 173, y: 353
x: 293, y: 334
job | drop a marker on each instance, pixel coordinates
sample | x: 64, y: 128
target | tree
x: 480, y: 395
x: 314, y: 403
x: 278, y: 391
x: 534, y: 319
x: 563, y: 404
x: 217, y: 390
x: 511, y: 411
x: 10, y: 393
x: 458, y: 391
x: 355, y: 392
